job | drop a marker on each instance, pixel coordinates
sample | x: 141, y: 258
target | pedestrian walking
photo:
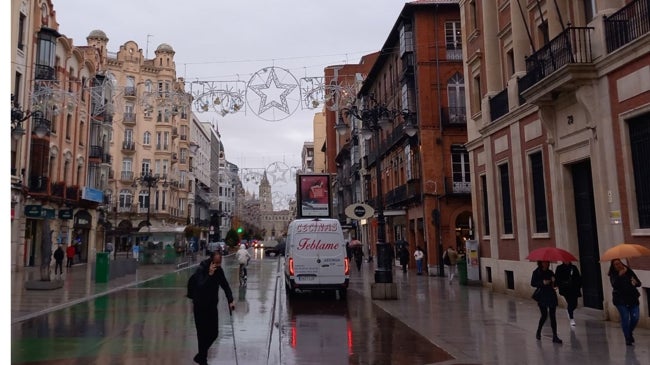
x: 58, y: 260
x: 625, y: 297
x: 569, y: 283
x: 77, y: 248
x: 450, y: 259
x: 418, y: 255
x: 205, y: 297
x: 69, y: 253
x: 357, y: 252
x: 136, y: 251
x: 544, y: 281
x: 404, y: 257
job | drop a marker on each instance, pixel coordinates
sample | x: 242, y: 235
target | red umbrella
x: 552, y: 254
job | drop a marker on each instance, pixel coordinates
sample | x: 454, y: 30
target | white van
x: 315, y: 256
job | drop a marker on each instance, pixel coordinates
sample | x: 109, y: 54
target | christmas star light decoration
x: 272, y: 86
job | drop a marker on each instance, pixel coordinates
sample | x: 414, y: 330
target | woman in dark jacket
x: 544, y: 280
x: 625, y: 297
x: 569, y: 283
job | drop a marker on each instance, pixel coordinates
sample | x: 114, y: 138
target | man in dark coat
x: 58, y: 259
x: 404, y: 257
x: 569, y: 283
x: 210, y: 277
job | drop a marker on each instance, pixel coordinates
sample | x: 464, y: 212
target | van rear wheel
x: 289, y: 290
x: 343, y: 294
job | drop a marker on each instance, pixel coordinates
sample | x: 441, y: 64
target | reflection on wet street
x: 319, y: 329
x: 152, y: 323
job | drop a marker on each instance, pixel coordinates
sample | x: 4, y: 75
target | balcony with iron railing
x: 127, y: 208
x: 126, y: 176
x: 454, y: 116
x: 403, y: 194
x: 499, y: 105
x: 129, y: 91
x: 95, y: 152
x: 627, y: 24
x: 107, y: 158
x: 39, y: 184
x: 564, y: 63
x: 58, y: 189
x: 72, y: 193
x: 457, y: 187
x: 128, y: 146
x: 44, y: 72
x: 108, y: 118
x: 128, y: 119
x: 454, y: 53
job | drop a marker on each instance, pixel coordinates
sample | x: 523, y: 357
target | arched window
x: 126, y: 198
x: 146, y: 139
x: 456, y: 95
x: 143, y: 199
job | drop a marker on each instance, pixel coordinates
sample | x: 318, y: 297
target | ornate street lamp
x: 374, y: 119
x: 18, y: 116
x: 148, y: 180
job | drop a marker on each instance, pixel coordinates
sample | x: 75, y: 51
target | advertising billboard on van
x: 313, y: 194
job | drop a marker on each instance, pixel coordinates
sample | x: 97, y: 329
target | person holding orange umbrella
x: 625, y: 297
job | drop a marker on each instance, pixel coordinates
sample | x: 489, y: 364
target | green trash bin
x: 170, y: 255
x: 461, y: 265
x: 102, y: 264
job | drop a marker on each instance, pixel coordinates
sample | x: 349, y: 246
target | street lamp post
x: 374, y: 119
x: 148, y: 180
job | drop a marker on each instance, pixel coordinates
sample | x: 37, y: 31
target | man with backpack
x: 203, y: 289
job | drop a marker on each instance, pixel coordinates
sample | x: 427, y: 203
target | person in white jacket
x: 243, y: 257
x: 418, y: 255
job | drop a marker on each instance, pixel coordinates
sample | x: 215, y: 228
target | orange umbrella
x: 625, y: 250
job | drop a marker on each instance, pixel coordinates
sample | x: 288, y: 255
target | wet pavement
x: 144, y: 318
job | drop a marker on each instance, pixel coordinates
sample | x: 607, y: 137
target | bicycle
x: 243, y: 275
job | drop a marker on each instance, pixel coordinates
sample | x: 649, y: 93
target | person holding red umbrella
x: 544, y: 280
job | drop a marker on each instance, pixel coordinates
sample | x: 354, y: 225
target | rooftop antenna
x: 147, y: 49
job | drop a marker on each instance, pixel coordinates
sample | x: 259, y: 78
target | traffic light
x: 240, y: 230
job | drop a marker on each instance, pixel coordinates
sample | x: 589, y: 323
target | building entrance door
x: 587, y: 232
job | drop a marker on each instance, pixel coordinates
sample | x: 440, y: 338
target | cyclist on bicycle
x: 243, y: 257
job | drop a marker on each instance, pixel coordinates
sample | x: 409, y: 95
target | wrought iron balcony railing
x: 571, y: 46
x: 44, y: 72
x: 629, y: 23
x: 454, y: 116
x: 499, y: 105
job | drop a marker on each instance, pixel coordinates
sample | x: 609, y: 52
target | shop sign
x: 82, y: 219
x: 65, y: 213
x: 48, y: 213
x: 93, y: 195
x: 33, y: 211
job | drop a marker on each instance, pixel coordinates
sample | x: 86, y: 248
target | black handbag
x: 537, y: 293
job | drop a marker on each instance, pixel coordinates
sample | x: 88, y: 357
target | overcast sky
x: 233, y: 40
